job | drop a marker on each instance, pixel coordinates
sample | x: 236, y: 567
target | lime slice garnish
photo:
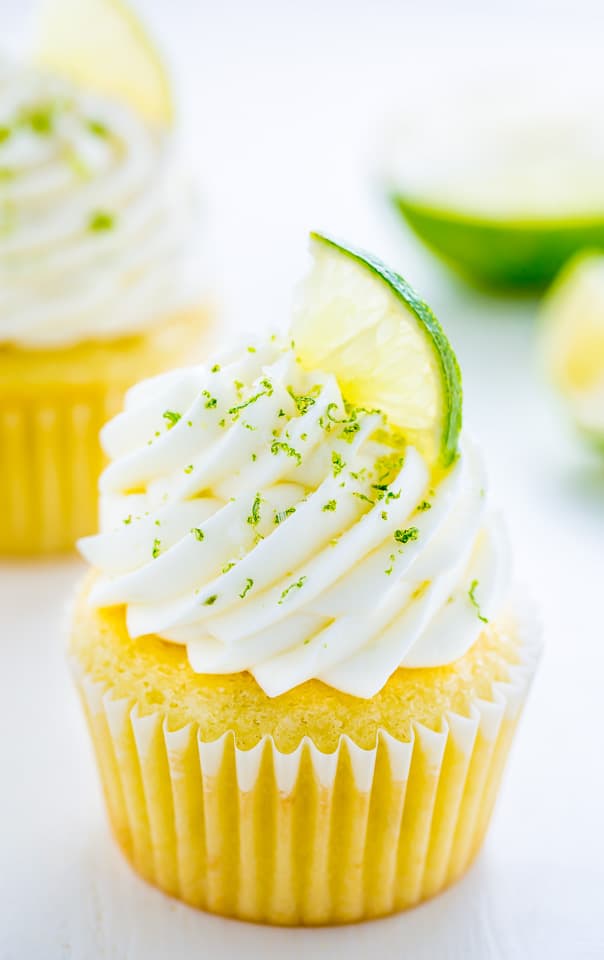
x: 362, y: 322
x: 101, y: 46
x: 573, y: 338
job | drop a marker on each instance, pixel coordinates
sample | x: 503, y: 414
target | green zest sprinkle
x: 337, y: 463
x: 362, y: 496
x: 392, y: 496
x: 210, y: 600
x: 305, y: 402
x: 101, y: 220
x: 293, y: 586
x: 330, y: 416
x: 349, y: 431
x: 424, y: 505
x: 172, y: 417
x: 254, y: 457
x: 330, y: 505
x: 156, y: 548
x: 5, y: 133
x: 282, y: 515
x: 99, y: 129
x: 392, y: 558
x: 278, y: 445
x: 251, y: 349
x: 228, y: 566
x: 384, y: 515
x: 189, y: 469
x: 211, y: 401
x: 475, y: 602
x: 267, y: 392
x: 127, y: 519
x: 198, y: 533
x: 404, y: 536
x: 40, y: 119
x: 254, y: 517
x: 215, y: 368
x: 249, y: 583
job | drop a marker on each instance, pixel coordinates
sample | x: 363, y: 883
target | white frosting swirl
x: 250, y: 516
x: 96, y: 222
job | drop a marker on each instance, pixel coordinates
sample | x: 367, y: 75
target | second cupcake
x: 99, y: 270
x: 298, y: 655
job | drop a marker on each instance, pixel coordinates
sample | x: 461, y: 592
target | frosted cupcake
x: 297, y: 652
x: 99, y: 287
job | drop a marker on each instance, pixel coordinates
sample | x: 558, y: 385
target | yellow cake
x: 99, y: 287
x: 186, y: 814
x: 298, y: 653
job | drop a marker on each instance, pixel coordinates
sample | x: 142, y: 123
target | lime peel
x: 378, y: 317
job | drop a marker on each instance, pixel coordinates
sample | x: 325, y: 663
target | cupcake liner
x: 50, y: 446
x: 51, y: 411
x: 306, y: 837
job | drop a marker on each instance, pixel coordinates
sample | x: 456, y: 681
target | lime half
x: 502, y: 188
x: 573, y: 339
x: 101, y: 46
x: 498, y: 251
x: 364, y: 323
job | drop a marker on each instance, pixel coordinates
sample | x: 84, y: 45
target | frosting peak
x: 252, y: 515
x: 95, y: 218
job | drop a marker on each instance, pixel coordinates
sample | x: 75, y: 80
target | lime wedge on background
x: 572, y: 339
x: 362, y: 322
x: 503, y: 191
x: 101, y: 46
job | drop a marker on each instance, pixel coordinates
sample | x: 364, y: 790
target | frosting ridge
x: 252, y: 515
x: 96, y: 220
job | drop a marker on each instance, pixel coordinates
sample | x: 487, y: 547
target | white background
x: 283, y: 109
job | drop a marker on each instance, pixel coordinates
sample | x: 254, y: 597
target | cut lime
x: 101, y: 46
x: 503, y: 189
x: 500, y: 252
x: 573, y: 339
x: 362, y: 322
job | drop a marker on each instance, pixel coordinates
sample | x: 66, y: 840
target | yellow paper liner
x: 51, y: 412
x: 307, y: 837
x: 51, y: 461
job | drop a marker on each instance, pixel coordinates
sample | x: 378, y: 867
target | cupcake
x: 99, y: 289
x: 297, y: 650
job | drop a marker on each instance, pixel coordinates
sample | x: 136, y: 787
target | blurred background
x: 287, y: 113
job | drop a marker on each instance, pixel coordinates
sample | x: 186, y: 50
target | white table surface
x: 281, y: 107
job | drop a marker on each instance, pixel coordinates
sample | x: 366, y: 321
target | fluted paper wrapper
x: 49, y: 430
x: 51, y: 459
x: 306, y: 837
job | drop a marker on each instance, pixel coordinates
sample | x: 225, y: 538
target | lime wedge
x: 101, y: 46
x: 362, y: 322
x: 572, y: 339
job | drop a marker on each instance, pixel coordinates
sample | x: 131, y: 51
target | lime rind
x: 448, y: 417
x: 499, y: 252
